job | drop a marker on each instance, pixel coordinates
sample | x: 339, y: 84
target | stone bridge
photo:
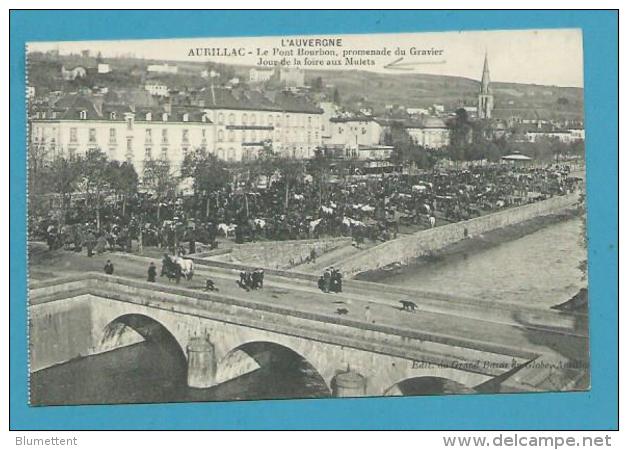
x: 221, y: 336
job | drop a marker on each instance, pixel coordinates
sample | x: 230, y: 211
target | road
x: 472, y: 327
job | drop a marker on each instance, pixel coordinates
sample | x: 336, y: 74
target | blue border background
x: 596, y: 409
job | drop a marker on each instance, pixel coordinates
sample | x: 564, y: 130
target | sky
x: 547, y: 57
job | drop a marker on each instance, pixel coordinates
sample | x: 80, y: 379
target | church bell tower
x: 485, y: 97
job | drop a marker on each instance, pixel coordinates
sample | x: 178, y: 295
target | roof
x: 516, y: 157
x: 224, y: 98
x: 69, y: 107
x: 426, y: 122
x: 355, y: 118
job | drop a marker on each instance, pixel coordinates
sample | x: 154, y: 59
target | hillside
x: 356, y: 88
x: 421, y: 91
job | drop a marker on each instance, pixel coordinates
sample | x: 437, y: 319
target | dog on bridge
x: 407, y: 305
x: 210, y: 285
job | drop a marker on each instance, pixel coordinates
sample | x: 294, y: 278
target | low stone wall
x: 423, y: 243
x: 281, y: 254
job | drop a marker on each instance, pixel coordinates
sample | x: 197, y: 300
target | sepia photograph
x: 282, y: 217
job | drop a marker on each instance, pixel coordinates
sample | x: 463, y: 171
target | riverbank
x: 473, y: 244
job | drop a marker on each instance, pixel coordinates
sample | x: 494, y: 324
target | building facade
x: 232, y: 131
x: 355, y: 131
x: 431, y: 132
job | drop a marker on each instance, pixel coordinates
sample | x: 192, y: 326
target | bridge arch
x: 285, y: 370
x: 427, y: 385
x: 129, y: 329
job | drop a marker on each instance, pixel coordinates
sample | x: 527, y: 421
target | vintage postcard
x: 306, y: 217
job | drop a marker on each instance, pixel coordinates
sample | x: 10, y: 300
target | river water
x: 538, y: 269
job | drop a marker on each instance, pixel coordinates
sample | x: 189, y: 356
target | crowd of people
x: 330, y: 281
x: 364, y: 207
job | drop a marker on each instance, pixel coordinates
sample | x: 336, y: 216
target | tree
x: 159, y: 177
x: 208, y: 172
x: 405, y: 149
x: 461, y: 134
x: 60, y: 176
x: 124, y: 181
x: 336, y: 98
x: 317, y: 84
x: 96, y: 178
x: 291, y: 171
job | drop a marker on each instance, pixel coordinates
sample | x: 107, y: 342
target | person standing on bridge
x: 152, y: 272
x: 109, y: 267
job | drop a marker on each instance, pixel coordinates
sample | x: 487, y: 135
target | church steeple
x: 486, y: 77
x: 485, y: 97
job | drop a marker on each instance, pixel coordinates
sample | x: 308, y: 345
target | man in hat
x: 152, y: 272
x: 109, y: 267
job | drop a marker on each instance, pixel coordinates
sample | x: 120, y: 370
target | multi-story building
x: 155, y: 88
x: 103, y: 68
x: 76, y: 124
x: 233, y: 128
x: 353, y: 132
x: 260, y: 75
x: 162, y: 68
x: 247, y: 122
x: 429, y: 132
x: 292, y: 77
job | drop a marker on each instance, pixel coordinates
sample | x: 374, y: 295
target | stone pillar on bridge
x: 201, y: 363
x: 349, y: 384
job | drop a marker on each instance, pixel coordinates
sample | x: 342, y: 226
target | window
x: 164, y: 153
x: 129, y: 123
x: 186, y: 117
x: 185, y: 135
x: 148, y: 153
x: 112, y: 135
x: 231, y: 154
x: 221, y: 135
x: 231, y: 119
x: 244, y: 118
x: 149, y: 117
x: 92, y: 135
x: 129, y: 147
x: 73, y: 135
x: 253, y: 119
x: 221, y: 118
x: 82, y: 115
x: 253, y: 136
x: 164, y: 136
x: 113, y: 115
x: 149, y: 136
x: 164, y: 117
x: 231, y: 136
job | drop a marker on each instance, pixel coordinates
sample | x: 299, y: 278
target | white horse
x: 186, y: 265
x: 432, y: 221
x: 314, y: 224
x: 227, y: 230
